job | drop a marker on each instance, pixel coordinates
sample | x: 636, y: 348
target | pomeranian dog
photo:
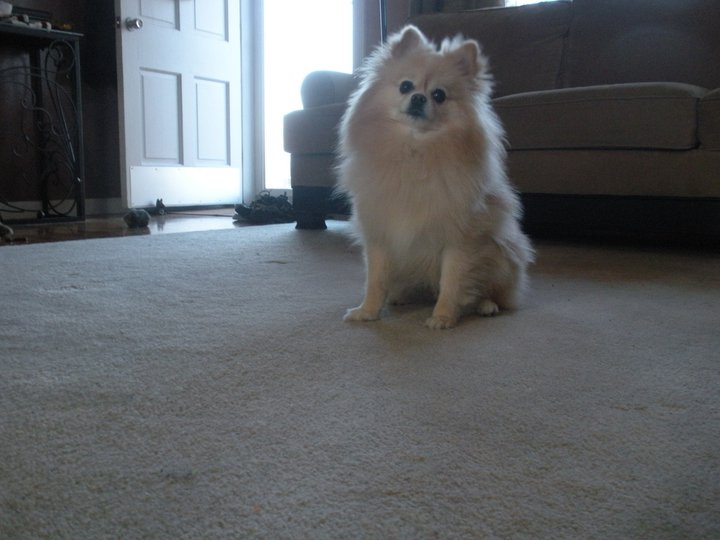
x: 421, y: 157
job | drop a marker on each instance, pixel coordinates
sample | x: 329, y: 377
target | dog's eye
x: 439, y: 95
x: 406, y: 87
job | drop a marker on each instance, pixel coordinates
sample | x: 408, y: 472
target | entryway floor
x: 109, y: 226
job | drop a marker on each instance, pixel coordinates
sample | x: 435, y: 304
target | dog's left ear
x: 469, y: 59
x: 466, y: 54
x: 408, y: 39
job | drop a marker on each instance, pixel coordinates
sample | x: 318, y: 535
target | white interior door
x: 180, y: 102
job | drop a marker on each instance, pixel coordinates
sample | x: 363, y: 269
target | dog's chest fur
x: 416, y: 210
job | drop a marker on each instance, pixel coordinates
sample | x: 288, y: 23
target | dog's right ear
x: 408, y: 39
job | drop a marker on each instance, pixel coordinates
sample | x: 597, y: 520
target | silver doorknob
x: 133, y: 24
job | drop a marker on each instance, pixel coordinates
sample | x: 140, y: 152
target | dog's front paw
x: 360, y: 314
x: 441, y: 322
x: 487, y: 308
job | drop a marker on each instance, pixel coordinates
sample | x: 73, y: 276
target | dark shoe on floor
x: 266, y: 209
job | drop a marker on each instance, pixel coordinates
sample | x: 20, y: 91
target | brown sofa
x: 611, y: 108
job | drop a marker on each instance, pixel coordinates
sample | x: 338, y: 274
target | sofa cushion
x: 643, y: 116
x: 524, y: 44
x: 619, y: 41
x: 312, y: 131
x: 709, y: 121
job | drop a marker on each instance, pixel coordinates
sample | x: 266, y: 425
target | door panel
x: 179, y: 82
x: 212, y: 119
x: 210, y: 17
x: 159, y: 13
x: 161, y: 117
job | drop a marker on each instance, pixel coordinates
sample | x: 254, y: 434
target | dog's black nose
x: 417, y: 106
x: 418, y: 100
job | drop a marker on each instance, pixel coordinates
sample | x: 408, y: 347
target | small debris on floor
x: 137, y: 218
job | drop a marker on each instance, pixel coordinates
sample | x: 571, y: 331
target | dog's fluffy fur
x: 421, y: 156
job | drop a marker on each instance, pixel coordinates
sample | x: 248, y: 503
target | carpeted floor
x: 203, y: 385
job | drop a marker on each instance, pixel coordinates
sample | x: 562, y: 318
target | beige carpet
x: 203, y: 385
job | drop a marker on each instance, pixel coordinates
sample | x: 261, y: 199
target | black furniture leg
x: 309, y: 221
x: 310, y: 204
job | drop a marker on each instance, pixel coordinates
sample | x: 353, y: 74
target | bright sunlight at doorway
x: 300, y: 37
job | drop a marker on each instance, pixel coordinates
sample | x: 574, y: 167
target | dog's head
x: 426, y: 87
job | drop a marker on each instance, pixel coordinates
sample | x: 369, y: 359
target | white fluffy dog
x: 421, y: 156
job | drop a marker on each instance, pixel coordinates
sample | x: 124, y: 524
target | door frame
x: 252, y: 109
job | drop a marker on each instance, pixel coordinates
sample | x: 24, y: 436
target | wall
x: 397, y: 13
x: 100, y: 98
x: 369, y: 27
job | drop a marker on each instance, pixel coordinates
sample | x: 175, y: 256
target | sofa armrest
x: 326, y: 87
x: 709, y: 121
